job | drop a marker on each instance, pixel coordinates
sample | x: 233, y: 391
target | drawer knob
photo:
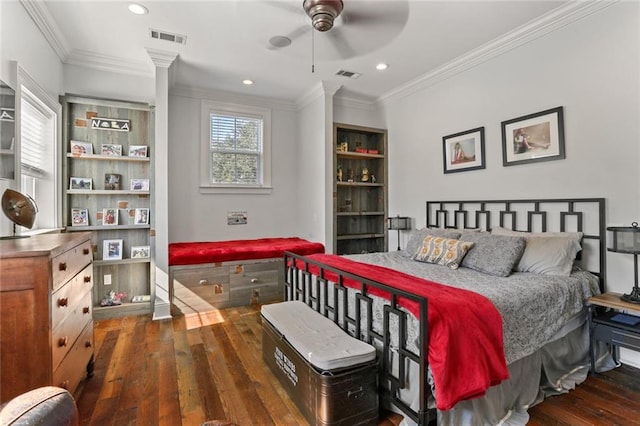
x: 63, y: 301
x: 85, y: 251
x: 63, y: 266
x: 87, y: 278
x: 62, y: 342
x: 255, y: 280
x: 65, y: 385
x: 86, y: 310
x: 88, y: 344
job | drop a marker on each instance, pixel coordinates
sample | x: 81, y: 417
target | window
x: 236, y: 148
x: 38, y: 148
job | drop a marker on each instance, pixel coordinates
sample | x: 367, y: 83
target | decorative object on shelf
x: 463, y: 151
x: 343, y: 147
x: 80, y: 183
x: 113, y: 299
x: 140, y: 252
x: 399, y: 223
x: 112, y: 250
x: 350, y: 175
x: 79, y: 217
x: 626, y: 239
x: 373, y: 178
x: 141, y: 216
x: 110, y: 216
x: 7, y: 114
x: 110, y: 124
x: 112, y: 181
x: 140, y: 298
x: 139, y: 184
x: 533, y: 138
x: 111, y: 149
x: 362, y: 151
x: 20, y: 208
x: 138, y: 151
x: 339, y: 173
x: 364, y: 177
x: 80, y: 148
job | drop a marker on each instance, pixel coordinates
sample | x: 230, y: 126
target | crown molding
x: 115, y: 64
x: 547, y: 23
x: 354, y: 103
x: 161, y: 58
x: 218, y: 95
x: 40, y: 15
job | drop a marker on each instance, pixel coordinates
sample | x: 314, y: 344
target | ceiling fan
x: 348, y: 28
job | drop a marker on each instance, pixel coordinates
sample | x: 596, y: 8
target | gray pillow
x: 417, y: 236
x: 549, y: 255
x: 493, y: 254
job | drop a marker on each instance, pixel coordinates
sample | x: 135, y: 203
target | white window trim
x: 206, y: 109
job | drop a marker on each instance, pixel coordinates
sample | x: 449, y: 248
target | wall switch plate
x: 107, y: 279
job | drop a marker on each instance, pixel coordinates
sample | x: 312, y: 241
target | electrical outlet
x: 107, y: 279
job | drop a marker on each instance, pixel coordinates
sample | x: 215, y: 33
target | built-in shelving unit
x: 117, y: 212
x: 360, y: 200
x: 7, y: 132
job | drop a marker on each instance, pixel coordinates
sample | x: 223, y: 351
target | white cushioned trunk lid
x: 318, y: 339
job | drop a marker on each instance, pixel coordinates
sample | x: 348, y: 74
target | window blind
x: 236, y: 149
x: 36, y: 136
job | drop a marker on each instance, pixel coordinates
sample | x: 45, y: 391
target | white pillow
x: 549, y: 255
x: 576, y: 236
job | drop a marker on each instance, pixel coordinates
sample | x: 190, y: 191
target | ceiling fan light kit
x: 323, y: 12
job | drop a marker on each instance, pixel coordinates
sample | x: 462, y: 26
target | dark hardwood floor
x: 202, y: 367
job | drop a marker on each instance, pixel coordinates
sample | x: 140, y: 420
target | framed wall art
x: 533, y: 138
x: 138, y: 151
x: 79, y: 217
x: 140, y: 252
x: 80, y: 183
x: 112, y: 250
x: 80, y: 148
x: 110, y: 216
x: 463, y: 151
x: 111, y: 150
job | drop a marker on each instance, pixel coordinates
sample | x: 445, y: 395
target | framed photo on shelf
x: 140, y: 252
x: 533, y: 138
x: 463, y: 151
x: 139, y: 184
x: 110, y: 217
x: 80, y: 183
x: 79, y: 148
x: 137, y: 151
x: 112, y: 181
x: 112, y: 250
x: 79, y: 217
x: 111, y: 149
x: 141, y: 216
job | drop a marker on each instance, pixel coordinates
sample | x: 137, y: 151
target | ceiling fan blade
x: 341, y: 43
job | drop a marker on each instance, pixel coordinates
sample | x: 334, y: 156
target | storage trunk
x: 346, y: 396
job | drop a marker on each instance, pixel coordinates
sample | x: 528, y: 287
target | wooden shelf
x: 377, y: 184
x: 359, y: 236
x: 360, y: 213
x: 120, y: 261
x: 105, y: 192
x: 83, y: 228
x: 107, y: 157
x: 358, y: 155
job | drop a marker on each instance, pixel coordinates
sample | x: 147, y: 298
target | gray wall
x: 591, y: 68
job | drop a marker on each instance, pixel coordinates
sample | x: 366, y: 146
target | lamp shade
x: 625, y: 239
x: 398, y: 223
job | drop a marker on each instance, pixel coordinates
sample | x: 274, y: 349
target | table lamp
x: 399, y: 223
x: 626, y: 239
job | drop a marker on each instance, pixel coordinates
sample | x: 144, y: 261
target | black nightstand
x: 603, y: 329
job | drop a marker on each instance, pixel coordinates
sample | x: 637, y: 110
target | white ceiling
x: 228, y: 40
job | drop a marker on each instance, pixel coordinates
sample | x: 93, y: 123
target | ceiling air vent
x: 164, y: 35
x: 348, y: 74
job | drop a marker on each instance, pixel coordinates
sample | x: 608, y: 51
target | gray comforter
x: 533, y: 307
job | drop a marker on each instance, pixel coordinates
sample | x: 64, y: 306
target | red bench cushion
x: 194, y: 253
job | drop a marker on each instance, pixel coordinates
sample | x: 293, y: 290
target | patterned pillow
x: 493, y: 254
x: 417, y: 237
x: 443, y: 251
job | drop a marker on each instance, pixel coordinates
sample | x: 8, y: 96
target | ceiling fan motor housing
x: 322, y: 12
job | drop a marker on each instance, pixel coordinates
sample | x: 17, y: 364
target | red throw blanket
x: 466, y: 352
x: 194, y: 253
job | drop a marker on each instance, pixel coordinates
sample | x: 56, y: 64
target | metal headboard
x: 586, y: 215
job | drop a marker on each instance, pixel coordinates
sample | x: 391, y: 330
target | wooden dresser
x: 46, y: 323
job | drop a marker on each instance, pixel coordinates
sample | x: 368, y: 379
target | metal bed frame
x: 307, y: 280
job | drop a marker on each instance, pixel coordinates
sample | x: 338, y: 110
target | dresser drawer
x: 73, y: 369
x: 69, y: 263
x: 211, y: 283
x: 254, y: 275
x: 66, y: 333
x: 67, y: 297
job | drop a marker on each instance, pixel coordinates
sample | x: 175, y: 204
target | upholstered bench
x: 329, y: 375
x: 234, y: 272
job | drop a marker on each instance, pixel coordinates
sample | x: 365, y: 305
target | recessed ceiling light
x: 280, y: 41
x: 247, y: 82
x: 138, y: 9
x: 382, y: 66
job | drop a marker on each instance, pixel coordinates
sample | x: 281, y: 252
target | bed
x: 482, y: 314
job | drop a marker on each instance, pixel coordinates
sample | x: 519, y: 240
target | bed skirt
x: 556, y: 368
